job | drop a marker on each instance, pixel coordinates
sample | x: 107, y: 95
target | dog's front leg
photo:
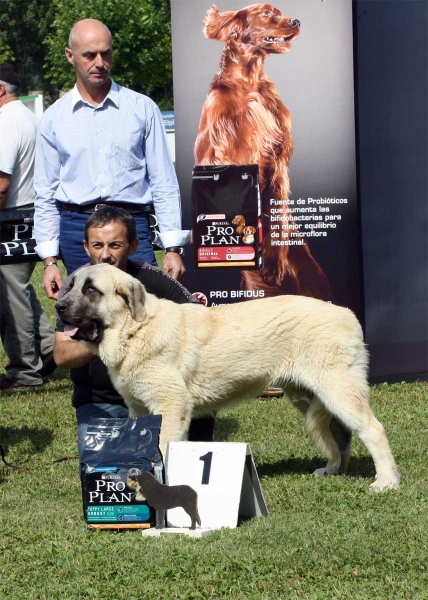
x: 175, y: 426
x: 160, y: 518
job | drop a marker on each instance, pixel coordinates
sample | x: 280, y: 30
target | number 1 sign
x: 225, y: 478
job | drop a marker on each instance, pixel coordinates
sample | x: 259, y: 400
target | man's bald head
x: 87, y: 28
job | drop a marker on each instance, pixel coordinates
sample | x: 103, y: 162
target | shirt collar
x: 112, y: 96
x: 13, y: 104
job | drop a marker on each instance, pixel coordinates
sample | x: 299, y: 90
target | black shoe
x: 10, y: 384
x: 49, y: 365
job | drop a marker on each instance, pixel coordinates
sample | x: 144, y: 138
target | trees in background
x: 34, y: 33
x: 24, y: 25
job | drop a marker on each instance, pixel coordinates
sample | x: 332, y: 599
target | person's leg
x: 17, y: 325
x: 44, y: 335
x: 86, y: 412
x: 145, y: 250
x: 202, y: 429
x: 71, y: 236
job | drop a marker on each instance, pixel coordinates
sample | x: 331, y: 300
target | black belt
x: 89, y: 209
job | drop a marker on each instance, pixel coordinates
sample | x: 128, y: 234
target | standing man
x: 111, y: 237
x: 102, y: 143
x: 25, y: 331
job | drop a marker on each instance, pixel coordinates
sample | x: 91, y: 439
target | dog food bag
x: 227, y: 216
x: 116, y: 452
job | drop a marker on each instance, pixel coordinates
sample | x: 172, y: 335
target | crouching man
x: 111, y: 237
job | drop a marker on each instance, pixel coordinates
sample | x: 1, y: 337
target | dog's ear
x: 220, y: 26
x: 133, y: 293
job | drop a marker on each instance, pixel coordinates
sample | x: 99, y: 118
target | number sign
x: 225, y: 478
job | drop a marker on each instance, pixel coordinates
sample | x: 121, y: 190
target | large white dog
x: 181, y: 360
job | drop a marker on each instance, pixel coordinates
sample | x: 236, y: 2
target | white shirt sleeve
x: 46, y: 181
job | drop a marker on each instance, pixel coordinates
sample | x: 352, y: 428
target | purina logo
x: 201, y: 297
x: 110, y: 476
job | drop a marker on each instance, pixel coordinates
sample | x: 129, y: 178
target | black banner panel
x: 392, y: 118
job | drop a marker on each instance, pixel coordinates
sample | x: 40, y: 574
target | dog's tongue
x: 70, y: 330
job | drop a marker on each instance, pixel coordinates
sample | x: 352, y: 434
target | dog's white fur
x: 185, y: 360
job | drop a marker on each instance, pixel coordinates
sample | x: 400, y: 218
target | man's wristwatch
x: 50, y: 264
x: 177, y: 249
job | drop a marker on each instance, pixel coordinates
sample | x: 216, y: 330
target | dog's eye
x: 266, y: 13
x: 89, y: 288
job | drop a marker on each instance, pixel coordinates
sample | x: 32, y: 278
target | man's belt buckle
x: 98, y: 206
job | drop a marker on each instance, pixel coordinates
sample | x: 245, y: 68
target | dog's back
x: 230, y: 353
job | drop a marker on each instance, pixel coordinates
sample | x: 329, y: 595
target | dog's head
x: 248, y: 234
x: 259, y: 26
x: 101, y: 296
x: 131, y: 479
x: 238, y: 220
x: 249, y: 230
x: 132, y: 482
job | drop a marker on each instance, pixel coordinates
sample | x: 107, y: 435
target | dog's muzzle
x: 294, y: 23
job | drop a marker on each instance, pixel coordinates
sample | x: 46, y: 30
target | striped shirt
x: 116, y: 151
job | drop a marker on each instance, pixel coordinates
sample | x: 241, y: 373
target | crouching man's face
x: 109, y: 244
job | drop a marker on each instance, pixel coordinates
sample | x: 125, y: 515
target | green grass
x: 324, y: 537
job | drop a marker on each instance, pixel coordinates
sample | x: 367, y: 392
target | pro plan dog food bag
x: 116, y: 452
x: 227, y: 216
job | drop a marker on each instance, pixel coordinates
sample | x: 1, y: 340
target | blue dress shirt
x: 116, y: 151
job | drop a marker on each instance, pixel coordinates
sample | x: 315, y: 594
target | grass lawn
x: 324, y: 537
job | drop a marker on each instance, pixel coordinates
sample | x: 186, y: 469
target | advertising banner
x: 268, y: 88
x: 17, y: 241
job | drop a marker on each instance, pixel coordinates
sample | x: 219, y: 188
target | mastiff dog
x: 184, y: 360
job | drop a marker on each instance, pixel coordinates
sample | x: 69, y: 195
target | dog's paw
x: 321, y: 472
x: 383, y: 486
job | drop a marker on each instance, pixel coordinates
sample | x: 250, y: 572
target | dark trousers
x: 72, y: 233
x: 25, y: 331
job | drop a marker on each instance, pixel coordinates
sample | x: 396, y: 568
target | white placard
x: 225, y: 478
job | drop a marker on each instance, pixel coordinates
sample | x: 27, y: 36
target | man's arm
x: 4, y: 189
x: 46, y: 214
x: 69, y: 353
x: 165, y: 194
x: 160, y: 284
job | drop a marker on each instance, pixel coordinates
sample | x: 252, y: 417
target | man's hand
x: 174, y: 266
x: 52, y: 279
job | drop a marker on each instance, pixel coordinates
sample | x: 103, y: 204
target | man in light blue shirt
x: 102, y: 144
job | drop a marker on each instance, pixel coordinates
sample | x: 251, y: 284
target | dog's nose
x: 294, y: 23
x: 60, y: 307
